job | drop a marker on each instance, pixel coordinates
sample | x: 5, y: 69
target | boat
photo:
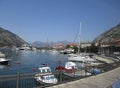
x: 53, y: 51
x: 71, y: 69
x: 67, y: 51
x: 25, y: 47
x: 78, y: 58
x: 45, y: 75
x: 3, y: 60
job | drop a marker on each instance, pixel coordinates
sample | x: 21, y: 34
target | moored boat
x: 3, y: 60
x: 45, y: 75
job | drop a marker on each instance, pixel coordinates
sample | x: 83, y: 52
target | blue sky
x: 58, y: 20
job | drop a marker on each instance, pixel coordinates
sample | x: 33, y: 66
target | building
x: 73, y: 45
x: 85, y: 44
x: 109, y: 48
x: 59, y: 46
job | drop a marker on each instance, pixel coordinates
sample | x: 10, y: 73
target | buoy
x: 18, y: 62
x: 9, y: 64
x: 33, y: 69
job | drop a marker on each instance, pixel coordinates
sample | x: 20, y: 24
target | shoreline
x: 103, y: 80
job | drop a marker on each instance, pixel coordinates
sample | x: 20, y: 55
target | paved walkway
x: 103, y: 80
x: 108, y: 61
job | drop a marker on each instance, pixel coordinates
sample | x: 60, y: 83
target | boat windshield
x: 48, y: 70
x: 45, y: 70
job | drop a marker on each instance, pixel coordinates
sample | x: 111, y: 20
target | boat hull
x: 4, y: 62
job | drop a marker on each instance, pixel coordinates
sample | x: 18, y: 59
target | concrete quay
x: 104, y: 80
x: 108, y: 61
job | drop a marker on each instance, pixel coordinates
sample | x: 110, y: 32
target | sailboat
x: 75, y: 57
x: 78, y: 57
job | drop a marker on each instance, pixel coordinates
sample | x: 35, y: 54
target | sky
x: 58, y: 20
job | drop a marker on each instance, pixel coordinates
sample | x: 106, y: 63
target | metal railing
x: 17, y: 81
x: 27, y: 80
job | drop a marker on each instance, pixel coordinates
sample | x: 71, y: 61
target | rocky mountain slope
x: 109, y: 35
x: 8, y: 38
x: 46, y: 44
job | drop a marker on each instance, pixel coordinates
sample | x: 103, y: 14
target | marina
x: 24, y: 75
x: 59, y: 44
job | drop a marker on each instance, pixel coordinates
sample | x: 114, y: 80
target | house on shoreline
x: 110, y: 47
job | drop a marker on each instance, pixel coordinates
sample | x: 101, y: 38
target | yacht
x: 45, y: 75
x: 3, y: 60
x: 25, y: 47
x: 76, y: 57
x: 67, y: 51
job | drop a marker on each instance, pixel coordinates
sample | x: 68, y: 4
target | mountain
x: 109, y: 35
x: 45, y: 44
x: 8, y: 38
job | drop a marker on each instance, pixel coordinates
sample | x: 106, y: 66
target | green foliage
x: 93, y: 49
x: 90, y: 49
x: 67, y: 46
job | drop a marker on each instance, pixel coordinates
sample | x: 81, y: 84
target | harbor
x: 25, y: 76
x: 59, y: 44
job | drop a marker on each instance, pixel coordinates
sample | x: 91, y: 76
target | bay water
x: 29, y: 61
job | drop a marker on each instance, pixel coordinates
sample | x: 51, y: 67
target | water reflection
x: 28, y: 60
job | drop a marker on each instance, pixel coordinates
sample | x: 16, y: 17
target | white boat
x: 34, y: 49
x: 43, y: 50
x: 73, y: 71
x: 78, y: 58
x: 3, y: 60
x: 53, y: 51
x: 25, y: 47
x: 67, y: 51
x: 70, y: 65
x: 45, y: 76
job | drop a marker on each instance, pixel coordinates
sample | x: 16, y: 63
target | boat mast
x: 79, y: 34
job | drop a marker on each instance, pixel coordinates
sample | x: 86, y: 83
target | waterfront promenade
x: 103, y: 59
x: 104, y: 80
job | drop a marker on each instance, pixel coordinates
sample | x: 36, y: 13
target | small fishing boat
x: 69, y: 68
x: 45, y: 75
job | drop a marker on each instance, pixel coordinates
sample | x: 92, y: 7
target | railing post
x: 18, y: 78
x: 60, y: 76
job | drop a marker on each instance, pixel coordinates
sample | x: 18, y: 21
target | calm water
x: 29, y: 60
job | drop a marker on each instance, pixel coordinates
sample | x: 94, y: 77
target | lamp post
x: 111, y: 45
